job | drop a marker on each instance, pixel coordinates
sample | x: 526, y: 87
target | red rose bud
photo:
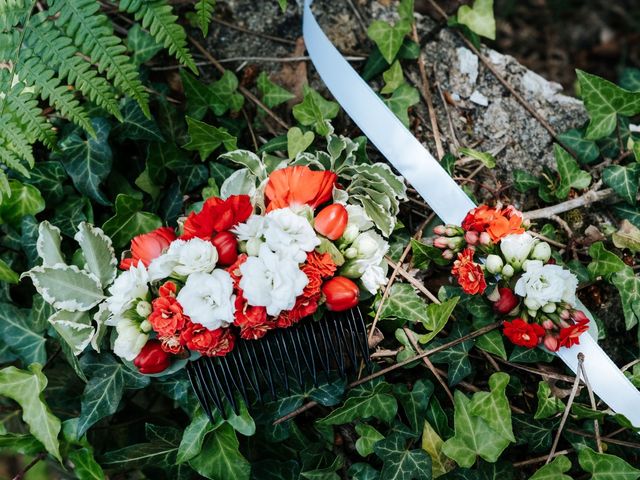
x: 227, y: 246
x: 551, y: 343
x: 439, y: 230
x: 152, y: 358
x: 340, y: 294
x: 471, y: 237
x: 148, y: 246
x: 579, y: 316
x: 507, y: 301
x: 331, y: 221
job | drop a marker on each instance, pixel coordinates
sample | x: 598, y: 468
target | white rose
x: 373, y: 278
x: 516, y: 248
x: 208, y: 299
x: 185, y: 257
x: 544, y: 284
x: 129, y: 286
x: 130, y: 339
x: 371, y: 249
x: 252, y: 232
x: 289, y: 234
x: 272, y: 281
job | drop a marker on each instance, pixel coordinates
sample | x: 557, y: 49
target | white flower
x: 185, y: 257
x: 371, y: 249
x: 542, y: 251
x: 129, y: 286
x: 252, y: 232
x: 272, y: 281
x: 130, y: 339
x: 208, y: 299
x: 494, y: 264
x: 373, y: 278
x: 289, y: 234
x: 359, y: 218
x: 544, y: 284
x: 516, y: 248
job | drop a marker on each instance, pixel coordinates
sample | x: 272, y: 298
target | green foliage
x: 487, y: 159
x: 129, y: 221
x: 204, y: 14
x: 401, y: 463
x: 404, y: 97
x: 315, y: 111
x: 365, y: 403
x: 570, y: 174
x: 548, y: 404
x: 623, y: 180
x: 479, y: 18
x: 606, y: 467
x: 205, y: 139
x: 603, y: 262
x: 272, y: 93
x: 389, y: 38
x: 555, y: 470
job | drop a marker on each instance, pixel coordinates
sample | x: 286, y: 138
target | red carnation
x: 303, y: 308
x: 216, y: 216
x: 167, y: 289
x: 469, y: 274
x: 322, y: 263
x: 148, y: 246
x: 211, y: 343
x: 570, y: 336
x: 252, y: 320
x: 507, y: 301
x: 523, y: 333
x: 167, y: 316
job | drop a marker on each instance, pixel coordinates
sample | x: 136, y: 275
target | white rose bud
x: 146, y: 326
x: 516, y: 248
x: 143, y: 308
x: 365, y: 245
x: 351, y: 252
x: 531, y: 303
x: 508, y: 271
x: 253, y: 247
x: 542, y: 252
x: 350, y: 233
x: 549, y: 308
x: 494, y: 264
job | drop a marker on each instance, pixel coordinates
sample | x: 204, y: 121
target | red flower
x: 340, y: 294
x: 570, y: 336
x: 299, y: 186
x: 167, y: 289
x: 217, y: 216
x: 227, y: 246
x: 303, y: 308
x: 234, y: 270
x: 507, y: 301
x: 211, y: 343
x: 152, y: 358
x: 469, y: 274
x: 167, y: 316
x: 252, y: 320
x: 322, y: 263
x: 148, y: 246
x: 498, y: 223
x: 172, y: 345
x: 523, y: 333
x: 315, y: 281
x: 331, y: 221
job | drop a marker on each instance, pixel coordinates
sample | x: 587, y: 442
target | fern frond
x: 157, y: 17
x: 23, y: 106
x: 204, y: 14
x: 5, y: 189
x: 11, y: 160
x: 14, y: 139
x: 13, y: 12
x: 48, y: 86
x: 92, y: 34
x: 56, y: 50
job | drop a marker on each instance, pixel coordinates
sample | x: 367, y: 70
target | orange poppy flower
x: 299, y: 186
x: 498, y: 223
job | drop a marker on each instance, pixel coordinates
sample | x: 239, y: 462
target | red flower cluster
x: 469, y: 274
x: 217, y: 216
x: 148, y: 246
x: 497, y: 222
x: 522, y: 333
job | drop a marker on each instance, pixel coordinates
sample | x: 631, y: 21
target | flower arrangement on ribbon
x: 493, y: 255
x: 282, y: 244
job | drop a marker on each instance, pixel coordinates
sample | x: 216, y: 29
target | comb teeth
x: 263, y: 369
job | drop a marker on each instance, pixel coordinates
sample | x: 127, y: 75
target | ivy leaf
x: 457, y: 357
x: 555, y: 470
x: 49, y: 178
x: 586, y: 150
x: 605, y: 101
x: 432, y: 444
x: 603, y: 262
x: 623, y: 180
x: 7, y: 274
x: 19, y: 334
x: 523, y: 181
x: 315, y: 111
x: 98, y: 253
x: 570, y: 174
x: 479, y: 18
x: 486, y: 158
x: 389, y: 38
x: 135, y: 125
x: 143, y: 45
x: 26, y: 387
x: 242, y: 422
x: 220, y: 458
x: 159, y: 452
x: 473, y: 437
x: 69, y: 214
x: 369, y: 436
x: 88, y: 161
x: 129, y: 221
x: 437, y: 317
x: 423, y: 255
x: 493, y: 406
x: 403, y: 97
x: 628, y: 284
x: 393, y: 78
x: 536, y: 434
x: 297, y: 141
x: 627, y: 236
x: 603, y: 466
x: 548, y: 404
x: 223, y: 94
x: 196, y: 93
x: 630, y: 79
x: 363, y: 471
x: 85, y: 466
x: 415, y: 402
x: 24, y: 200
x: 23, y: 444
x: 362, y: 405
x: 400, y: 463
x: 193, y: 436
x: 272, y: 93
x: 403, y: 302
x: 205, y: 138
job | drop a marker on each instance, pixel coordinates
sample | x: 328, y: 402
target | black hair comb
x: 264, y: 369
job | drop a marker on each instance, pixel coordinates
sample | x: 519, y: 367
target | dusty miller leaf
x: 98, y: 252
x: 48, y: 244
x: 75, y: 328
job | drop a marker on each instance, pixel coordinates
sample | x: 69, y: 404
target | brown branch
x: 581, y: 201
x: 20, y: 475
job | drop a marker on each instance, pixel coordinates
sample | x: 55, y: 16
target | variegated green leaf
x: 98, y: 253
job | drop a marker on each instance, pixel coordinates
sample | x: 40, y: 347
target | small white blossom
x: 272, y: 281
x: 185, y: 257
x: 494, y: 264
x: 207, y: 298
x: 371, y: 249
x: 516, y: 248
x: 252, y: 232
x: 289, y: 234
x: 130, y: 339
x: 544, y: 284
x: 542, y: 251
x: 130, y: 285
x: 373, y: 278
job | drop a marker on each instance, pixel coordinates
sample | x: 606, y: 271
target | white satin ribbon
x: 442, y: 193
